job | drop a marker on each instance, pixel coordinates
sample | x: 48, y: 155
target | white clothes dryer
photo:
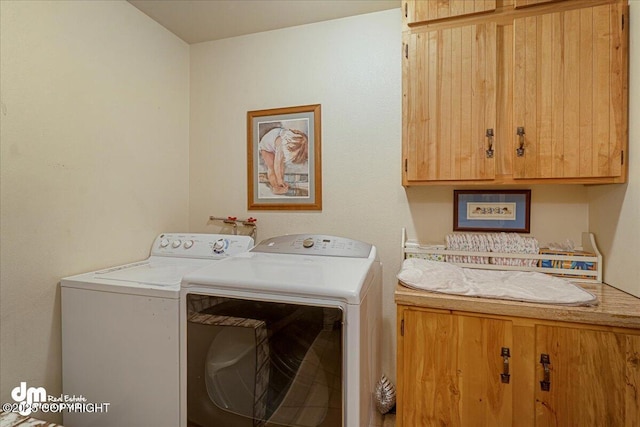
x: 287, y: 334
x: 120, y: 332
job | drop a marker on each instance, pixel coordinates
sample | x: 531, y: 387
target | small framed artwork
x: 492, y: 210
x: 284, y: 168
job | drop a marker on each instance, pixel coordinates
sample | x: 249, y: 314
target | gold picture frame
x: 284, y: 165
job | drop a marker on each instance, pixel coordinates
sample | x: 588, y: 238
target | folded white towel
x: 526, y: 286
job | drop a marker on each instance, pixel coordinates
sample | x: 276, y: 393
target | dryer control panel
x: 194, y: 245
x: 315, y: 244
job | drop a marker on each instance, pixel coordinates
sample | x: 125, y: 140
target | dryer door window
x: 257, y: 363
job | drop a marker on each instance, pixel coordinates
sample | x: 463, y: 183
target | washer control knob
x: 176, y: 243
x: 188, y: 244
x: 218, y: 246
x: 308, y: 243
x: 164, y: 243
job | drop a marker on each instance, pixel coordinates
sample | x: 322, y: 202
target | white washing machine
x: 287, y: 334
x: 120, y: 332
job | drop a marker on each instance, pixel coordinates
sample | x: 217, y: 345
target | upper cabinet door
x: 449, y: 103
x: 417, y: 11
x: 569, y: 93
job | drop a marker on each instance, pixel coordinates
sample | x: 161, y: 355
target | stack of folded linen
x: 492, y: 242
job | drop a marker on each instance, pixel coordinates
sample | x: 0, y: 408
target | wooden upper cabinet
x: 549, y: 79
x: 449, y: 103
x: 569, y: 93
x: 417, y: 11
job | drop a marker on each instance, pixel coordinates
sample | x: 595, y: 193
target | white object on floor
x: 511, y: 285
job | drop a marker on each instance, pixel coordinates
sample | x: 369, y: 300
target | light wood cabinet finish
x: 558, y: 69
x: 452, y: 360
x: 449, y: 367
x: 417, y: 11
x: 594, y: 376
x: 568, y: 93
x: 450, y: 102
x: 525, y: 3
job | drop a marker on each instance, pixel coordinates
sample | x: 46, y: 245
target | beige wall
x: 94, y: 160
x: 614, y: 213
x: 95, y: 120
x: 352, y: 67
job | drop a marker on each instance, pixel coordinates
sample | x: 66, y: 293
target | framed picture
x: 283, y: 159
x: 492, y: 210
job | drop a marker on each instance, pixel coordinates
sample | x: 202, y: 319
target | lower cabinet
x: 592, y: 378
x: 466, y: 369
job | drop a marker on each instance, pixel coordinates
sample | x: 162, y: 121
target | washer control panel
x: 194, y: 245
x: 314, y: 244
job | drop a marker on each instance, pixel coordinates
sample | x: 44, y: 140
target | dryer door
x: 253, y: 362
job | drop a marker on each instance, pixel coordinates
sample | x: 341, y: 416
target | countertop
x: 615, y: 308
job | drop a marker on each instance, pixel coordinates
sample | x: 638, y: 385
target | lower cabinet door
x: 454, y: 370
x: 587, y: 377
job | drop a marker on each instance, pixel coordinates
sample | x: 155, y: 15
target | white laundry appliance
x: 120, y: 332
x: 287, y: 334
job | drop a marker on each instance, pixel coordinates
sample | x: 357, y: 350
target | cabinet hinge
x: 402, y: 328
x: 406, y: 168
x: 406, y: 50
x: 622, y: 157
x: 406, y: 10
x: 622, y: 22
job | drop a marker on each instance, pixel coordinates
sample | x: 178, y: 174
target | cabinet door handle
x: 520, y: 149
x: 505, y: 376
x: 545, y: 384
x: 489, y: 136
